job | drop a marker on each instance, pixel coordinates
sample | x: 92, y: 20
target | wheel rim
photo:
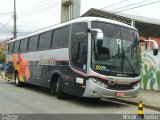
x: 16, y: 80
x: 57, y: 86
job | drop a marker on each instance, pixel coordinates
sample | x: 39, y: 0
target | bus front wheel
x: 53, y: 87
x: 60, y: 93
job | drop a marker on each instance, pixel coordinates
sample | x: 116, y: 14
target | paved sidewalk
x: 150, y: 99
x: 2, y: 74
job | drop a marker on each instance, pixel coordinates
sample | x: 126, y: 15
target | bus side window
x: 45, y: 40
x: 60, y: 37
x: 33, y: 42
x: 16, y: 46
x: 23, y: 45
x: 10, y: 47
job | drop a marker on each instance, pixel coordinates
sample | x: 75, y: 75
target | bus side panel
x: 69, y: 79
x: 37, y: 68
x: 75, y: 85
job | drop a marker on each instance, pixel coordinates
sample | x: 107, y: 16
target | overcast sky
x: 35, y: 14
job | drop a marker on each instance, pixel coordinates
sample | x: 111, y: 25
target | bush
x: 2, y: 58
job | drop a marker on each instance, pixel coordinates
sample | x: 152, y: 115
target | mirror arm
x: 147, y: 41
x: 96, y: 30
x: 141, y: 41
x: 152, y: 41
x: 88, y: 30
x: 99, y: 33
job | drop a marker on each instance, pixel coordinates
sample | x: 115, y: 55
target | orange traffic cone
x: 140, y: 112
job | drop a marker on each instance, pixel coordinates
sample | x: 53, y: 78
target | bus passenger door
x: 78, y: 55
x: 79, y: 46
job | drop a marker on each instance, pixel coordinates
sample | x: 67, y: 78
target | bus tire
x: 60, y: 93
x: 53, y: 87
x: 17, y: 81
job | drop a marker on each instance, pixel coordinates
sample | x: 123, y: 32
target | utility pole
x: 70, y: 9
x: 15, y: 24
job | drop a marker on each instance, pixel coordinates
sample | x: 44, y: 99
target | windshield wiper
x: 130, y: 65
x: 123, y: 61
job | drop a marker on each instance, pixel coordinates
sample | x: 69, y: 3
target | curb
x: 136, y: 104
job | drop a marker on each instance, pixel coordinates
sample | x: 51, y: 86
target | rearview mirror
x: 155, y: 46
x: 155, y: 49
x: 99, y: 35
x: 98, y: 38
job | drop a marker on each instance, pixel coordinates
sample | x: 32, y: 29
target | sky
x: 33, y: 15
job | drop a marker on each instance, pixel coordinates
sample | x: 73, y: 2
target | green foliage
x: 158, y: 79
x: 147, y: 76
x: 151, y: 68
x: 151, y: 86
x: 146, y: 68
x: 150, y: 75
x: 2, y: 58
x: 3, y: 48
x: 152, y: 82
x: 145, y: 80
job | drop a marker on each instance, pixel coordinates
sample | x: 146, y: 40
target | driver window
x: 82, y: 55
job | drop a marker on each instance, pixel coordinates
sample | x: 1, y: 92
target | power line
x: 129, y: 5
x: 114, y: 4
x: 137, y: 6
x: 40, y: 10
x: 6, y: 13
x: 23, y: 25
x: 39, y: 29
x: 37, y: 7
x: 46, y: 27
x: 3, y: 16
x: 5, y: 25
x: 8, y: 32
x: 45, y: 8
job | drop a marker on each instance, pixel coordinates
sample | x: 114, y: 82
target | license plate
x: 120, y: 94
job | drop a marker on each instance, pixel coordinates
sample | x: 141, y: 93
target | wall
x: 151, y: 67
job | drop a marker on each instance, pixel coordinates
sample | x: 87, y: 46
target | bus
x: 86, y: 57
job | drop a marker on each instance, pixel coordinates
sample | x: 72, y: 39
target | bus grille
x: 120, y: 87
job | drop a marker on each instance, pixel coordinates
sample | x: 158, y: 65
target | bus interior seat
x: 103, y: 52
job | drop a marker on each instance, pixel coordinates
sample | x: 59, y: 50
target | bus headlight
x: 99, y: 83
x: 137, y: 85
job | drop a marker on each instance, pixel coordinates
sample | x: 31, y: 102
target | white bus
x: 86, y: 57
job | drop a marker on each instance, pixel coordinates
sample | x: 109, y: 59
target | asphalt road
x: 34, y: 100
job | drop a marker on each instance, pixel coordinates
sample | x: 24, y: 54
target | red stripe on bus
x: 94, y: 76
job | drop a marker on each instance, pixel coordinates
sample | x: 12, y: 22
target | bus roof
x: 81, y: 19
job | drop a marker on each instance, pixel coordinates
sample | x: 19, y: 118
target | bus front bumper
x: 94, y: 90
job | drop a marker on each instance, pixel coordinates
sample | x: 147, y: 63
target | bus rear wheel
x: 17, y: 81
x: 59, y: 89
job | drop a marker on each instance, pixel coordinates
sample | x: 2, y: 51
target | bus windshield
x: 118, y: 54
